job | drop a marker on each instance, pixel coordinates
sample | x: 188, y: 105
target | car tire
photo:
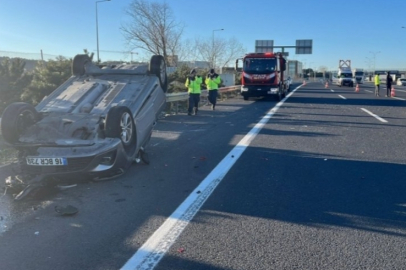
x: 245, y: 97
x: 78, y: 64
x: 16, y: 118
x: 120, y: 124
x: 157, y: 67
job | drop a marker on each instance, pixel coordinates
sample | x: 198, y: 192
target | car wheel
x: 16, y: 118
x: 157, y: 67
x: 245, y: 97
x: 120, y: 124
x: 78, y: 65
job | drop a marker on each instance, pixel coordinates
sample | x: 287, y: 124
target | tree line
x: 152, y: 28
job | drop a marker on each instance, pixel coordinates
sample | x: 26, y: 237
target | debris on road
x: 61, y: 187
x: 66, y: 211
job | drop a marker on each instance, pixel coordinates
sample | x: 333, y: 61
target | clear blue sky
x: 347, y: 30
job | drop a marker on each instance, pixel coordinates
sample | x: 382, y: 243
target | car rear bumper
x: 98, y: 160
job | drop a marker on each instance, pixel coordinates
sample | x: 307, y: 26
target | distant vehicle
x: 263, y: 74
x: 96, y: 124
x: 401, y: 81
x: 358, y: 75
x: 344, y: 74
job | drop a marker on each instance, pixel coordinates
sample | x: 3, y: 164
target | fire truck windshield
x: 259, y: 65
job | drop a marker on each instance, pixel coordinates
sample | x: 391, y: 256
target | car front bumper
x: 259, y: 90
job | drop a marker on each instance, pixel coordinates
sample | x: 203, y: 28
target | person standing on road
x: 212, y: 81
x: 377, y: 83
x: 389, y: 81
x: 193, y: 84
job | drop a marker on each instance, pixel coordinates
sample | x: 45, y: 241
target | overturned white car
x: 95, y: 124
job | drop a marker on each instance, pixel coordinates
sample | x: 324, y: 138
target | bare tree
x: 219, y: 52
x: 153, y: 28
x: 323, y: 69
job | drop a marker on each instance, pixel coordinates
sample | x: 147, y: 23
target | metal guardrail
x: 184, y: 95
x: 178, y: 100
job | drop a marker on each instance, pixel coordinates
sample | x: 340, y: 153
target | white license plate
x: 273, y: 91
x: 36, y: 161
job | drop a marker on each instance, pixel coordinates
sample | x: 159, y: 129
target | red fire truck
x: 262, y: 75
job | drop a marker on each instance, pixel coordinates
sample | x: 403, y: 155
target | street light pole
x: 212, y: 47
x: 132, y: 56
x: 97, y: 30
x: 374, y: 53
x: 310, y: 66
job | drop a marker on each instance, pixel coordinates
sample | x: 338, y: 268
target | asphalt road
x: 318, y: 184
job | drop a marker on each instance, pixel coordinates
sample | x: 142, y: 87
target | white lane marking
x: 331, y: 90
x: 374, y: 115
x: 398, y: 98
x: 341, y: 97
x: 152, y: 251
x: 368, y: 91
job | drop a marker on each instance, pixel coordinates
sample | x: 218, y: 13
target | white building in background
x: 227, y: 79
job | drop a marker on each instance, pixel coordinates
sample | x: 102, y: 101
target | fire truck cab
x: 262, y: 75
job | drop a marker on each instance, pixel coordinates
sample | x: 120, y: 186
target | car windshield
x: 259, y: 65
x: 359, y: 73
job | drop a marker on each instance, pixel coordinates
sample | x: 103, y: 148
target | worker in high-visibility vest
x: 193, y: 84
x: 212, y: 82
x: 377, y: 83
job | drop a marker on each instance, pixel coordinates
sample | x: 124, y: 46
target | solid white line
x: 152, y: 251
x: 399, y: 98
x: 331, y: 90
x: 368, y: 91
x: 374, y: 115
x: 341, y: 97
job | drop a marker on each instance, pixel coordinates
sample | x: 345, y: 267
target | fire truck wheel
x: 279, y: 96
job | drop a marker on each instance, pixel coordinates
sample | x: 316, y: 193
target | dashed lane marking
x: 374, y: 115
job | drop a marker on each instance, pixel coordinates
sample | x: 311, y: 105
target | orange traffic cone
x: 392, y: 91
x: 304, y: 82
x: 357, y: 88
x: 326, y: 85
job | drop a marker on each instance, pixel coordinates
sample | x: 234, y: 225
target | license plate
x: 273, y: 91
x: 36, y: 161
